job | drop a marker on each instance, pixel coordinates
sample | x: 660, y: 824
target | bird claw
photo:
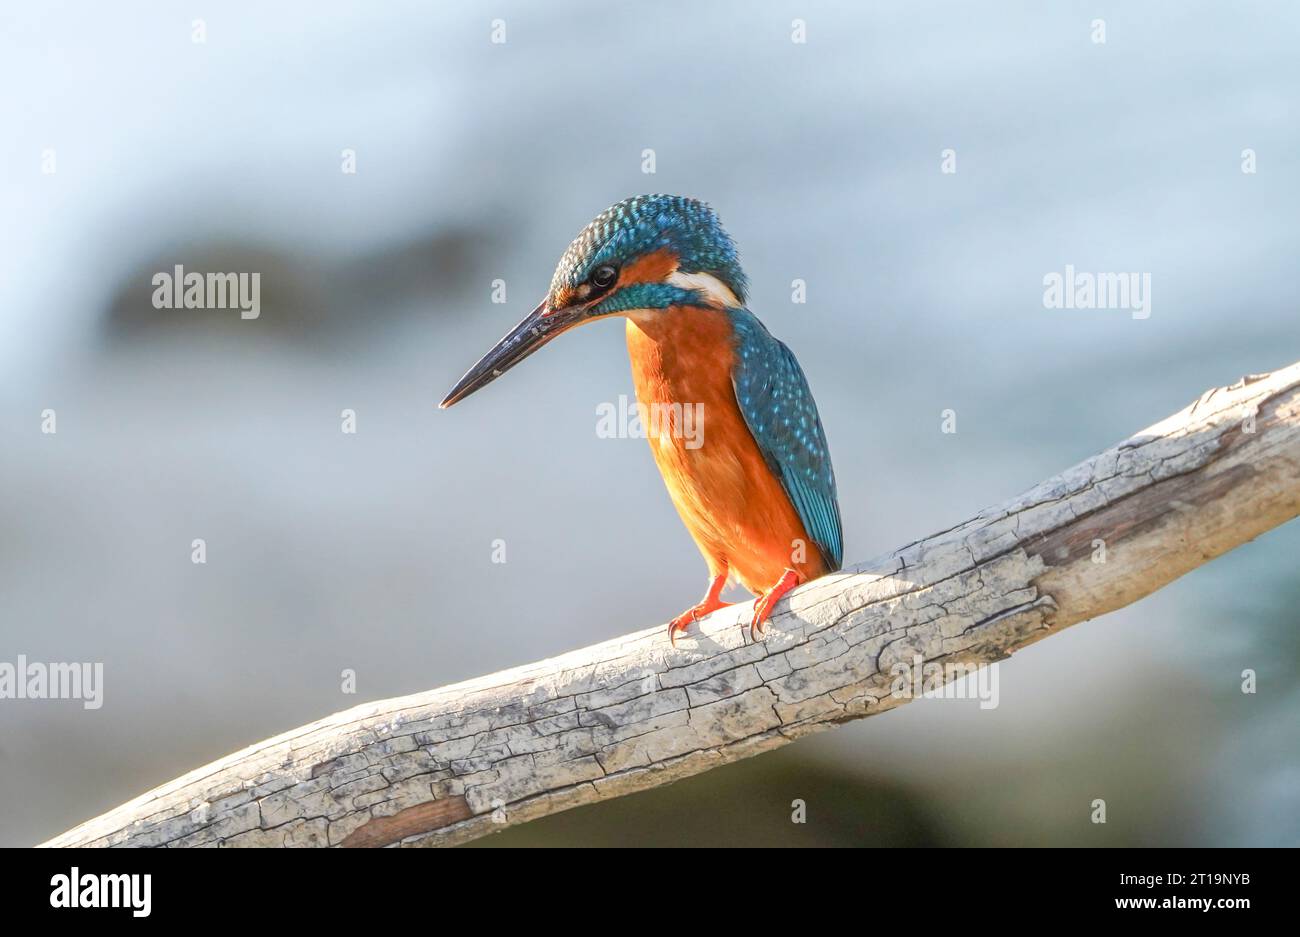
x: 693, y: 614
x: 764, y: 604
x: 761, y: 613
x: 681, y: 623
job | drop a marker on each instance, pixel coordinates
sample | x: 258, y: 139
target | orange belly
x: 732, y: 504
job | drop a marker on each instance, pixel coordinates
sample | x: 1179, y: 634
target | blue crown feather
x: 644, y: 224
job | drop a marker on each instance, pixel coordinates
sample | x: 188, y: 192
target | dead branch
x: 456, y: 763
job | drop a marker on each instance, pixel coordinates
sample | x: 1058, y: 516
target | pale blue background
x: 480, y: 161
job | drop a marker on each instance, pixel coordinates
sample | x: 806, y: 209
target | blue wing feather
x: 779, y: 410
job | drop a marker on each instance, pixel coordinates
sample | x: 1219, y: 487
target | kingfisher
x: 753, y: 482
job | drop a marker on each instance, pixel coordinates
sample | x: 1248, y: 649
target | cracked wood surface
x: 453, y: 764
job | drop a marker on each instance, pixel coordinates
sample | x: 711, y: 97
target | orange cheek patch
x: 652, y: 268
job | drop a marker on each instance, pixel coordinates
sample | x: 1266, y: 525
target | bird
x: 755, y: 489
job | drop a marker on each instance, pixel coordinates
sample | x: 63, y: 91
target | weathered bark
x: 453, y: 764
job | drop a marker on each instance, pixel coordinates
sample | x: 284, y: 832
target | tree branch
x: 456, y: 763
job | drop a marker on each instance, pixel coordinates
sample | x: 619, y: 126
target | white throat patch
x: 713, y: 289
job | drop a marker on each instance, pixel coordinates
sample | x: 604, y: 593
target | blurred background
x: 478, y: 161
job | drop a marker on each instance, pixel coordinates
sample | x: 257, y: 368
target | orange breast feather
x: 733, y: 506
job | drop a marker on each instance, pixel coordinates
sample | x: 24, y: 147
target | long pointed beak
x: 537, y: 328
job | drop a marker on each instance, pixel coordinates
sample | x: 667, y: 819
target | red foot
x: 710, y: 603
x: 764, y: 604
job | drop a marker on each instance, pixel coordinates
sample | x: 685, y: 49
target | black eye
x: 603, y: 277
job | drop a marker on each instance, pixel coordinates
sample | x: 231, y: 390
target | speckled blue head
x: 645, y: 254
x: 684, y: 229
